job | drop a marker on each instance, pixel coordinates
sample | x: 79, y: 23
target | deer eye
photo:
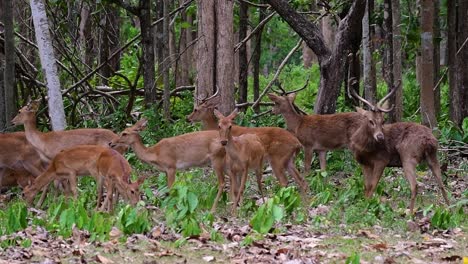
x: 230, y: 127
x: 195, y: 110
x: 372, y: 123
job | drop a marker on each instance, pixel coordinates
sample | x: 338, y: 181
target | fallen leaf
x: 115, y: 233
x: 103, y: 260
x: 380, y: 246
x: 367, y: 234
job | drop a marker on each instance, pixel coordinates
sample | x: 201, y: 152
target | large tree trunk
x: 369, y: 77
x: 397, y: 99
x: 387, y: 69
x: 9, y: 70
x: 242, y: 53
x: 331, y: 61
x: 148, y: 52
x: 225, y: 54
x: 205, y: 49
x: 454, y: 109
x: 47, y: 57
x: 427, y: 95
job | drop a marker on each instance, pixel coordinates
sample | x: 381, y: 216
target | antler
x: 379, y: 104
x: 284, y: 92
x: 353, y: 93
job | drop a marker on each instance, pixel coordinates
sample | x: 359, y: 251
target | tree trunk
x: 436, y: 41
x: 256, y: 55
x: 167, y: 64
x: 454, y: 98
x: 205, y: 49
x: 463, y: 58
x: 225, y: 54
x: 397, y: 99
x: 370, y: 86
x: 148, y: 52
x: 9, y: 70
x: 47, y: 57
x: 331, y: 61
x: 85, y: 34
x: 242, y: 53
x: 387, y: 69
x: 427, y: 95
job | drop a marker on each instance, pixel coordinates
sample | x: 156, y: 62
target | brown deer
x: 402, y: 144
x: 12, y: 178
x: 318, y: 133
x: 106, y: 165
x: 196, y: 149
x: 281, y: 146
x: 243, y: 152
x: 51, y: 143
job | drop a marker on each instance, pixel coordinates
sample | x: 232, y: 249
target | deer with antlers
x: 281, y: 147
x: 402, y: 144
x: 108, y: 167
x: 243, y: 152
x: 196, y: 149
x: 318, y: 133
x: 49, y: 144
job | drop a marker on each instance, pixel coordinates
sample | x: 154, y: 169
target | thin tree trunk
x: 9, y: 71
x: 242, y: 53
x: 427, y: 52
x: 463, y: 58
x: 205, y: 47
x: 454, y: 106
x: 368, y: 49
x: 47, y: 57
x: 387, y: 69
x: 256, y: 55
x: 148, y: 52
x: 436, y: 41
x: 397, y: 99
x: 167, y: 64
x: 225, y: 54
x: 3, y: 115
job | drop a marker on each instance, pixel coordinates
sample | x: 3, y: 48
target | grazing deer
x: 402, y: 144
x: 316, y: 132
x: 196, y: 149
x: 12, y: 178
x: 242, y: 152
x: 281, y: 146
x: 51, y: 143
x: 106, y: 165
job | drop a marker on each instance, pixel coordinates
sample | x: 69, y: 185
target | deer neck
x: 293, y: 120
x: 232, y: 148
x: 33, y: 135
x: 141, y: 150
x: 210, y: 123
x: 363, y: 140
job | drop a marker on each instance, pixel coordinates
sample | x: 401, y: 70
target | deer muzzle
x: 224, y: 142
x: 379, y: 137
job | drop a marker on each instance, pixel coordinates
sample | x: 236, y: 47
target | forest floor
x: 410, y: 239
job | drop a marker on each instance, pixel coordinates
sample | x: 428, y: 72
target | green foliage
x: 14, y: 219
x: 181, y: 205
x: 446, y: 218
x: 133, y: 220
x: 266, y: 215
x: 353, y: 259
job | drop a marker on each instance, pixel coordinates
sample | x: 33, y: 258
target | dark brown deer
x: 318, y: 133
x: 402, y: 144
x: 280, y: 145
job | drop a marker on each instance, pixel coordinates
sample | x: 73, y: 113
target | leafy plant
x: 181, y: 208
x: 266, y: 215
x: 133, y: 220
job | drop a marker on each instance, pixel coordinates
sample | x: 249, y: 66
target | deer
x: 243, y: 152
x: 376, y: 145
x: 12, y: 178
x: 106, y: 165
x: 49, y: 144
x: 281, y: 146
x: 196, y: 149
x: 319, y: 133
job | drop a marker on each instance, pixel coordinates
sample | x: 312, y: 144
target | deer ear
x: 291, y: 97
x: 218, y: 114
x: 141, y: 124
x: 34, y: 105
x: 360, y: 110
x: 212, y: 103
x: 233, y: 114
x: 272, y: 97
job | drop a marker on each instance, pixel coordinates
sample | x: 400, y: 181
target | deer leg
x: 292, y: 170
x: 259, y: 174
x: 218, y: 167
x: 107, y: 204
x: 278, y: 170
x: 323, y: 159
x: 367, y: 173
x: 239, y: 198
x: 170, y: 173
x: 435, y: 168
x: 409, y: 167
x: 375, y: 177
x: 308, y: 153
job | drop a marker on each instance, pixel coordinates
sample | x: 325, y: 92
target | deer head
x: 204, y: 108
x: 225, y: 125
x: 132, y: 190
x: 25, y: 112
x: 130, y: 134
x: 283, y: 104
x: 375, y: 116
